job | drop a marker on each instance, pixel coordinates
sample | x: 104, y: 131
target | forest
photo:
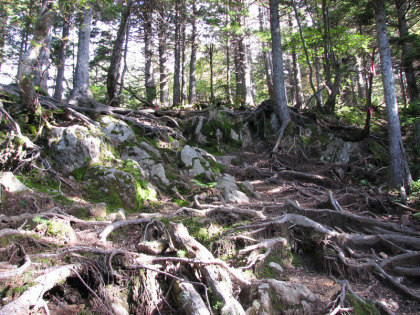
x: 209, y: 157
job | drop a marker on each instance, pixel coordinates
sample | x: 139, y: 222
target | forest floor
x: 255, y: 164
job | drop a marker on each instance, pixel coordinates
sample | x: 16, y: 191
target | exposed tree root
x: 31, y: 299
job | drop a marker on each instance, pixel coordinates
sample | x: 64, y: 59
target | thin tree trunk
x: 280, y: 100
x: 3, y: 24
x: 183, y: 80
x: 192, y: 90
x: 30, y: 61
x: 25, y: 36
x: 163, y: 59
x: 266, y: 55
x: 407, y: 63
x: 399, y: 173
x: 317, y: 93
x: 211, y: 51
x: 125, y: 69
x: 113, y: 75
x: 61, y: 67
x: 81, y: 86
x: 148, y: 55
x: 177, y: 56
x: 238, y: 72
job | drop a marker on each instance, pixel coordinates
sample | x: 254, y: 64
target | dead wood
x: 18, y: 271
x: 216, y: 278
x: 312, y: 178
x: 189, y: 301
x: 116, y: 225
x: 31, y: 299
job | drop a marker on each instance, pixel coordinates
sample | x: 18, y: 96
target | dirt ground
x: 263, y: 169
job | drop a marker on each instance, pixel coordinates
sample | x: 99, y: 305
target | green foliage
x: 352, y: 115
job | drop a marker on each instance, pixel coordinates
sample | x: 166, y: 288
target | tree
x: 192, y: 90
x: 115, y: 65
x: 30, y: 61
x: 177, y: 55
x: 280, y: 97
x: 399, y: 173
x: 61, y: 62
x: 148, y: 52
x: 163, y: 54
x: 407, y: 63
x: 81, y: 88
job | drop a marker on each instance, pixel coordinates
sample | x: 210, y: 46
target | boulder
x: 98, y: 210
x: 77, y: 146
x: 149, y: 159
x: 340, y: 151
x: 112, y: 185
x: 198, y: 161
x: 230, y: 191
x: 117, y: 130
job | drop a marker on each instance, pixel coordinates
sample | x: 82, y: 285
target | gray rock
x: 340, y: 151
x: 117, y: 130
x: 11, y: 183
x: 246, y: 136
x: 225, y: 159
x: 149, y: 159
x: 234, y: 135
x: 230, y: 191
x: 113, y: 182
x: 76, y: 146
x: 276, y: 267
x: 197, y: 161
x: 98, y: 210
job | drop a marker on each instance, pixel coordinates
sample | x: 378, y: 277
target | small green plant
x: 54, y: 227
x: 203, y: 185
x: 182, y: 253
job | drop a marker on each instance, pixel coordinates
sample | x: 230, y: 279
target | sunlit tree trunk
x: 177, y: 56
x: 280, y: 97
x: 265, y: 54
x: 163, y: 57
x: 113, y: 75
x: 61, y: 67
x: 148, y: 54
x: 81, y: 86
x: 192, y: 89
x: 30, y: 60
x: 399, y: 173
x: 3, y: 26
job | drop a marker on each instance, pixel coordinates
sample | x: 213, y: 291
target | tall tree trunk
x: 177, y: 56
x: 239, y: 86
x: 265, y: 54
x: 125, y: 68
x: 192, y: 90
x: 3, y: 24
x: 183, y: 59
x: 399, y: 173
x: 81, y: 88
x: 211, y: 53
x: 299, y: 98
x: 280, y: 97
x: 25, y: 35
x: 41, y: 73
x: 407, y: 63
x: 30, y: 60
x: 247, y: 73
x: 61, y: 67
x: 148, y: 54
x: 163, y: 59
x: 113, y: 75
x: 317, y: 93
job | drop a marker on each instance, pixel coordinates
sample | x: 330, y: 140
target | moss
x: 79, y: 173
x: 360, y: 308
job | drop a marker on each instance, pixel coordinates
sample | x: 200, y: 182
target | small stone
x: 11, y: 183
x: 276, y: 267
x: 154, y: 247
x: 98, y: 210
x: 383, y: 255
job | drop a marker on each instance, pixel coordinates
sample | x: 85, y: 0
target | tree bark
x: 113, y: 75
x: 266, y: 56
x: 280, y: 97
x: 407, y: 63
x: 399, y: 173
x: 3, y: 24
x: 61, y: 67
x: 177, y: 56
x: 81, y: 86
x: 148, y: 54
x: 163, y: 57
x: 30, y: 61
x: 192, y: 90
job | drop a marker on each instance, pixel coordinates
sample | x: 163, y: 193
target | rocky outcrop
x: 77, y: 146
x: 198, y: 161
x: 230, y: 191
